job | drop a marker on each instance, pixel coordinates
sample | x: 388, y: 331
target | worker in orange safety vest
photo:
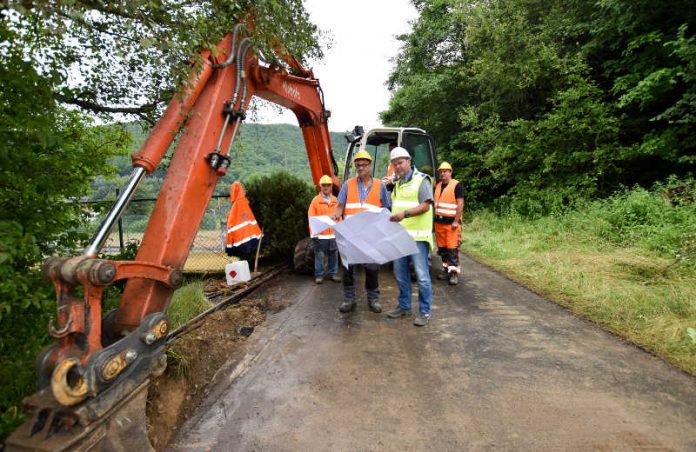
x: 243, y: 232
x: 324, y: 243
x: 449, y: 204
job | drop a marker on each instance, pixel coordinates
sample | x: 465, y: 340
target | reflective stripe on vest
x: 404, y: 197
x: 242, y: 235
x: 405, y: 204
x: 241, y: 225
x: 445, y: 202
x: 244, y: 240
x: 372, y: 200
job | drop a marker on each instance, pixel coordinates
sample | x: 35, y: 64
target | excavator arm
x: 100, y: 365
x: 203, y: 153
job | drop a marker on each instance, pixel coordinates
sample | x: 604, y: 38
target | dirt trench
x: 193, y: 361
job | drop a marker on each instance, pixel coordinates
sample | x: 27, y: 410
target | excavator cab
x: 379, y: 142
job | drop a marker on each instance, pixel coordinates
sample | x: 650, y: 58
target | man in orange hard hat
x: 359, y: 193
x: 449, y: 204
x: 324, y: 243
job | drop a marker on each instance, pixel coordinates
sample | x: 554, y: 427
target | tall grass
x: 627, y: 263
x: 187, y: 302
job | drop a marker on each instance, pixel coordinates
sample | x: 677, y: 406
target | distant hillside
x: 259, y: 149
x: 263, y: 148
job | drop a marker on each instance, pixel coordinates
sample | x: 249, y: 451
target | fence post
x: 120, y: 228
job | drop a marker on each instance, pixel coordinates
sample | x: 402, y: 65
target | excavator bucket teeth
x: 57, y: 428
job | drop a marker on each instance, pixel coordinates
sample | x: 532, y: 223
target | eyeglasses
x: 361, y: 165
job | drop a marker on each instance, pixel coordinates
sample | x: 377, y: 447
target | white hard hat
x: 399, y: 152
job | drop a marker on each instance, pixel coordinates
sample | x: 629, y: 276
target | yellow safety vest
x: 404, y: 197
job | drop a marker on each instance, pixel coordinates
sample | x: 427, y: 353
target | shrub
x: 280, y: 202
x: 644, y: 218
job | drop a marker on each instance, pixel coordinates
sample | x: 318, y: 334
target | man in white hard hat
x: 449, y: 204
x: 324, y: 243
x: 411, y: 207
x: 359, y: 193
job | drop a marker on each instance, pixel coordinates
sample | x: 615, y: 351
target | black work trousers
x: 371, y: 282
x: 450, y: 256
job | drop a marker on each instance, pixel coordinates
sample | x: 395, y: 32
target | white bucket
x: 237, y: 272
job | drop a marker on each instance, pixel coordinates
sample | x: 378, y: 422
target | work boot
x: 335, y: 278
x: 421, y: 319
x: 398, y: 312
x: 318, y: 280
x: 347, y: 306
x: 442, y: 275
x: 374, y: 306
x: 453, y: 278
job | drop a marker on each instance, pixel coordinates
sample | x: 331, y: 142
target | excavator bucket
x: 122, y: 427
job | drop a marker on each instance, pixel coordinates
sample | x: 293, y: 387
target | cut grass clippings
x: 632, y: 292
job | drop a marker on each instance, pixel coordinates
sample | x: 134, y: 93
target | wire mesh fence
x: 207, y: 253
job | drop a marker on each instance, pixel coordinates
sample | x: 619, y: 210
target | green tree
x: 540, y: 103
x: 48, y: 155
x: 130, y: 56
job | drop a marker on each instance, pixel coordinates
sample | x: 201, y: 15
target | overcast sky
x: 354, y: 71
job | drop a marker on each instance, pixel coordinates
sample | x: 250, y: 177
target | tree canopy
x: 130, y: 56
x: 540, y: 103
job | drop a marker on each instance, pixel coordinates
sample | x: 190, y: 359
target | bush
x: 636, y: 218
x: 24, y: 335
x: 280, y: 202
x: 644, y: 218
x: 640, y: 218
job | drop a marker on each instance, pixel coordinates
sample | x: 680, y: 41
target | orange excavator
x: 93, y: 381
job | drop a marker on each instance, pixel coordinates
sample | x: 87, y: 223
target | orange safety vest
x: 372, y: 201
x: 243, y: 233
x: 445, y: 202
x: 320, y: 207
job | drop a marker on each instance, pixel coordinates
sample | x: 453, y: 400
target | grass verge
x: 580, y: 261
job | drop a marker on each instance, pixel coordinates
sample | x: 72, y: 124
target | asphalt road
x: 498, y: 367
